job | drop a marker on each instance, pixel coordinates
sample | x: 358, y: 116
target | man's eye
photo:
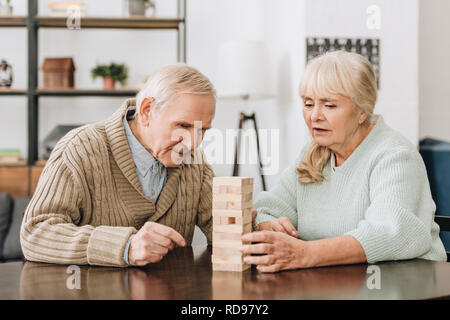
x: 184, y: 125
x: 330, y: 106
x: 308, y: 105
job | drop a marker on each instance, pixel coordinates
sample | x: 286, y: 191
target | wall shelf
x: 13, y: 21
x: 86, y: 92
x: 12, y: 92
x: 33, y: 22
x: 112, y: 22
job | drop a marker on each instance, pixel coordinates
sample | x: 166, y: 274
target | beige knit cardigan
x: 89, y: 200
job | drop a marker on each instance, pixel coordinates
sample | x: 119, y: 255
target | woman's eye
x: 308, y: 105
x: 330, y: 106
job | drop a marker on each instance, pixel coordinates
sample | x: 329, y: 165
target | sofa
x: 11, y: 213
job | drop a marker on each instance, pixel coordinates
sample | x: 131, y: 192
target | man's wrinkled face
x: 178, y: 128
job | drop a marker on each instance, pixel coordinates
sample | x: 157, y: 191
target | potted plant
x: 110, y: 74
x: 6, y: 9
x: 139, y: 7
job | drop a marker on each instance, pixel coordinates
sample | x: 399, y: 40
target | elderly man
x: 137, y: 170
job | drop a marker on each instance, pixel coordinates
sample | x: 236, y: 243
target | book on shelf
x: 11, y: 157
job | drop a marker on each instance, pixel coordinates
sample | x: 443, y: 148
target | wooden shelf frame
x: 86, y: 93
x: 12, y: 92
x: 112, y: 22
x: 13, y: 21
x: 33, y: 22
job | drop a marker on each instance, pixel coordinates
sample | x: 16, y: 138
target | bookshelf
x: 33, y: 22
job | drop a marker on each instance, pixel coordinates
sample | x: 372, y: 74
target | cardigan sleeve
x: 398, y: 222
x: 204, y: 216
x: 50, y: 231
x: 281, y: 201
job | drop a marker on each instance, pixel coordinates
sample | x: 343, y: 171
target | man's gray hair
x: 166, y: 82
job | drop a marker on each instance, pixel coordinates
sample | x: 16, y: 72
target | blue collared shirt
x: 151, y: 173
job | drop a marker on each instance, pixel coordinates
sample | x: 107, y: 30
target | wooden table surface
x: 186, y: 273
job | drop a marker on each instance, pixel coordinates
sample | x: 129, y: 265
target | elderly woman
x: 126, y: 190
x: 357, y: 193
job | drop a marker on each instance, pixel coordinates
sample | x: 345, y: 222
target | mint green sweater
x: 380, y: 196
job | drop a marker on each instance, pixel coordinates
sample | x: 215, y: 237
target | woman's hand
x: 277, y: 251
x: 282, y: 224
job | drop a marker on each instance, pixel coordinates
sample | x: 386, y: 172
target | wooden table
x: 186, y: 273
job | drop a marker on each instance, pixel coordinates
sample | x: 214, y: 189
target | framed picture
x: 369, y: 48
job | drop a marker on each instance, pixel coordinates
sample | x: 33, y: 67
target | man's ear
x: 145, y: 110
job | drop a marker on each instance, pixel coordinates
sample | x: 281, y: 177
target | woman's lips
x: 320, y: 131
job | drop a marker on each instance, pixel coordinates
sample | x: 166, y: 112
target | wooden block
x: 230, y: 267
x: 227, y: 251
x: 233, y: 197
x: 232, y: 213
x: 237, y: 244
x: 233, y: 181
x: 233, y: 205
x: 239, y: 259
x: 220, y: 236
x: 232, y: 216
x: 218, y: 189
x: 233, y: 228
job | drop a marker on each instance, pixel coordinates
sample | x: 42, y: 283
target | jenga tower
x: 232, y: 217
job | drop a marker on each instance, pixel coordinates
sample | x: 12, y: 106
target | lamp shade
x: 244, y: 70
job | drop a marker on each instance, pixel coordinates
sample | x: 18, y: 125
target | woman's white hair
x: 342, y: 73
x: 166, y: 82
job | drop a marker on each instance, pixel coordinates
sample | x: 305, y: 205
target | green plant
x: 118, y: 72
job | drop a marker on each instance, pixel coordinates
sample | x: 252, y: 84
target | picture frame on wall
x: 367, y: 47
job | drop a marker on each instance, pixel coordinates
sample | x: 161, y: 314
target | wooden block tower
x: 232, y: 217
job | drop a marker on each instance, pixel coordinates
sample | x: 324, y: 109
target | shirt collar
x: 143, y: 159
x: 333, y: 161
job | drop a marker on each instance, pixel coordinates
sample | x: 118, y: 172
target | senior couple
x: 121, y: 192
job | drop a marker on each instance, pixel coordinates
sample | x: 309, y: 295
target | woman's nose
x: 316, y: 114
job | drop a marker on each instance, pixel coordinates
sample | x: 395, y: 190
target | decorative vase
x: 136, y: 8
x: 6, y: 10
x: 109, y: 83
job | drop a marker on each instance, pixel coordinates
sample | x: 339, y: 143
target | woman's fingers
x: 288, y: 227
x: 276, y: 226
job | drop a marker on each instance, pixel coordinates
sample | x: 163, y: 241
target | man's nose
x: 196, y: 136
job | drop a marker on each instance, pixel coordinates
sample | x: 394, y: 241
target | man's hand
x: 282, y: 224
x: 152, y: 242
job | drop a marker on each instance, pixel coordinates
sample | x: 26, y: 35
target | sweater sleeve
x: 281, y: 201
x: 50, y: 230
x: 204, y: 216
x: 397, y: 224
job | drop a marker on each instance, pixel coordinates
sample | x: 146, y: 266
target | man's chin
x: 175, y: 160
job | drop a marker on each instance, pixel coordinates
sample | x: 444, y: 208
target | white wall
x: 210, y: 22
x: 398, y: 94
x: 282, y: 25
x: 434, y: 69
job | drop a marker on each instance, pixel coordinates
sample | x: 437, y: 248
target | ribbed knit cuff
x: 107, y: 245
x: 263, y: 217
x: 127, y: 250
x: 375, y: 249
